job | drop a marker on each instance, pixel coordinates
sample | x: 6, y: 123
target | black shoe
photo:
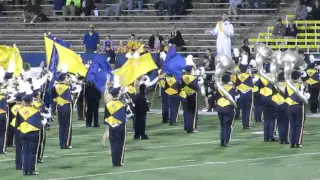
x: 286, y: 142
x: 96, y: 126
x: 19, y: 168
x: 25, y: 173
x: 62, y: 147
x: 292, y: 146
x: 88, y: 126
x: 117, y: 165
x: 226, y: 145
x: 246, y: 127
x: 299, y: 146
x: 266, y: 140
x: 164, y: 121
x: 136, y: 137
x: 33, y: 173
x: 145, y: 137
x: 40, y: 161
x: 273, y: 140
x: 5, y: 152
x: 80, y: 119
x: 68, y: 147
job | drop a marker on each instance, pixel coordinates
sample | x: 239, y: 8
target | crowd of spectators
x: 281, y: 30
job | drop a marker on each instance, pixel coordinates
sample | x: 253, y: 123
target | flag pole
x: 154, y: 93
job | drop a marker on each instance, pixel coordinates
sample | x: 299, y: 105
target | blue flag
x: 98, y: 71
x: 174, y: 64
x: 53, y: 67
x: 60, y: 41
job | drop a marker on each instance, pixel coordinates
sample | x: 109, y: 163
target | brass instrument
x: 263, y: 55
x: 224, y: 64
x: 276, y: 65
x: 293, y: 60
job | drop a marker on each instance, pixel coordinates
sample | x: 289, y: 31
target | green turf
x: 171, y: 154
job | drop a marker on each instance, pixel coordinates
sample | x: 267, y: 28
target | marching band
x: 273, y: 84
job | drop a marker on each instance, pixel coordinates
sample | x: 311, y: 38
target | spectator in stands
x: 31, y: 11
x: 133, y: 44
x: 87, y: 7
x: 110, y: 53
x: 315, y: 12
x: 141, y: 41
x: 175, y: 7
x: 301, y: 12
x: 155, y: 41
x: 58, y: 4
x: 91, y: 40
x: 292, y: 30
x: 122, y: 49
x: 279, y: 29
x: 107, y: 40
x: 176, y: 38
x: 132, y: 2
x: 2, y: 9
x: 307, y: 3
x: 72, y: 7
x: 116, y: 9
x: 233, y: 8
x: 160, y: 6
x: 246, y: 47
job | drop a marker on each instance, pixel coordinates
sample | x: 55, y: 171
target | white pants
x: 224, y: 46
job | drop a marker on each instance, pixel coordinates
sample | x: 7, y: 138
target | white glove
x: 318, y: 67
x: 304, y: 74
x: 163, y: 55
x: 255, y: 79
x: 44, y: 121
x: 125, y: 90
x: 203, y: 91
x: 200, y: 81
x: 237, y: 97
x: 307, y: 95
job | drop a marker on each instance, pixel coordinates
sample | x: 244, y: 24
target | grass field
x: 171, y: 154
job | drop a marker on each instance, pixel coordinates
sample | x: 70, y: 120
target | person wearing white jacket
x: 224, y: 31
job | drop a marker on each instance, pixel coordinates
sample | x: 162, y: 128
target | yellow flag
x: 49, y: 47
x: 134, y: 68
x: 11, y: 56
x: 72, y: 59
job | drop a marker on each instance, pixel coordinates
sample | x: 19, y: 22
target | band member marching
x: 267, y: 90
x: 297, y: 97
x: 116, y: 118
x: 313, y: 81
x: 189, y: 85
x: 172, y: 88
x: 244, y: 84
x: 226, y: 98
x: 62, y: 92
x: 29, y: 118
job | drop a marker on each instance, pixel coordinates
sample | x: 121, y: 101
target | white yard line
x: 151, y: 147
x: 130, y: 132
x: 186, y: 166
x: 257, y: 163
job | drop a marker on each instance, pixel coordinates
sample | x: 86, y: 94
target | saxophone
x: 293, y: 60
x: 224, y: 64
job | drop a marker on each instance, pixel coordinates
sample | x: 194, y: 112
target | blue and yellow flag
x: 11, y: 55
x: 64, y: 55
x: 135, y: 67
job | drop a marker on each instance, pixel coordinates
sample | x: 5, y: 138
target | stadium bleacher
x: 307, y: 38
x: 192, y: 26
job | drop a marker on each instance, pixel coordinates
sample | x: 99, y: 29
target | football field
x: 172, y: 154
